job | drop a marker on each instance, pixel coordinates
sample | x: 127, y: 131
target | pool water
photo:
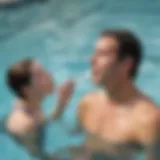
x: 61, y: 35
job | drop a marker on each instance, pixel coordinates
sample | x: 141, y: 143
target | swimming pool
x: 61, y: 35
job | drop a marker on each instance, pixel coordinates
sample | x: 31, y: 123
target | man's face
x: 104, y: 62
x: 41, y: 81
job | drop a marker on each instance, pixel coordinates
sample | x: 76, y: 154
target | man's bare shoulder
x: 90, y: 97
x: 146, y: 120
x: 146, y: 107
x: 86, y: 102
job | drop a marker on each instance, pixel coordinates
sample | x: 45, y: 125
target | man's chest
x: 108, y: 125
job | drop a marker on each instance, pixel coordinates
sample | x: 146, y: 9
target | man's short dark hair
x: 19, y: 76
x: 129, y: 46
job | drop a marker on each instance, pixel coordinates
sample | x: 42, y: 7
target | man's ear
x: 129, y: 63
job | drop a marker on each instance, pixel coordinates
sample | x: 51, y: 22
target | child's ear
x: 25, y: 90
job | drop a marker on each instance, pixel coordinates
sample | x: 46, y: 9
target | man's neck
x: 120, y: 92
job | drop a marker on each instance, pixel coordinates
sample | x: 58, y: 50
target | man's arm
x: 154, y: 151
x: 147, y: 133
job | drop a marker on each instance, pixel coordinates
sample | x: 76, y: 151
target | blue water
x: 61, y: 35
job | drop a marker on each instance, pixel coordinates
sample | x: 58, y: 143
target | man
x: 32, y: 83
x: 119, y: 120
